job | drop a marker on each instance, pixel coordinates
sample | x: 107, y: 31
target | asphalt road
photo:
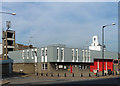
x: 28, y: 81
x: 99, y: 82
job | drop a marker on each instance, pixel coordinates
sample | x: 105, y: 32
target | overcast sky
x: 73, y: 24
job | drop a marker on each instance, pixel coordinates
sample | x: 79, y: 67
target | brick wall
x: 31, y: 68
x: 51, y: 70
x: 24, y: 67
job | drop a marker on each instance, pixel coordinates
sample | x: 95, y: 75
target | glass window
x: 42, y: 52
x: 32, y: 54
x: 35, y: 53
x: 76, y: 54
x: 84, y: 67
x: 115, y: 62
x: 57, y: 53
x: 72, y: 55
x: 27, y: 54
x: 61, y: 54
x: 83, y: 55
x: 80, y: 66
x: 46, y: 52
x: 44, y: 66
x: 23, y: 54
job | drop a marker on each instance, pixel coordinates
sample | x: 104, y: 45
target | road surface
x: 62, y: 81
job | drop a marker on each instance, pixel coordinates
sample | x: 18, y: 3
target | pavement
x: 5, y: 81
x: 33, y: 79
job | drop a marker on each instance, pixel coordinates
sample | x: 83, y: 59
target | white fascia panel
x: 73, y: 55
x: 35, y: 56
x: 32, y: 52
x: 27, y: 54
x: 63, y: 55
x: 58, y: 54
x: 23, y: 54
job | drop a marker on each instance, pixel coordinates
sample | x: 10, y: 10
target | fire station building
x: 61, y: 59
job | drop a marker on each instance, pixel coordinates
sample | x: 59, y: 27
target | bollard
x: 37, y: 74
x: 58, y: 75
x: 116, y: 73
x: 51, y: 74
x: 46, y: 74
x: 97, y: 74
x: 105, y: 74
x: 65, y: 74
x: 41, y: 74
x: 113, y: 73
x: 73, y: 74
x: 89, y: 75
x: 81, y: 74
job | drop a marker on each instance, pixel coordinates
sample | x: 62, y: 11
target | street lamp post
x: 8, y: 13
x: 103, y: 46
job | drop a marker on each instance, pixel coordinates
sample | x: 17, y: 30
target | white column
x: 98, y: 65
x: 77, y: 55
x: 73, y: 54
x: 36, y: 56
x: 27, y: 54
x: 58, y: 55
x: 86, y: 56
x: 89, y: 55
x: 42, y: 56
x: 63, y: 54
x: 45, y: 54
x: 32, y: 54
x: 23, y: 54
x: 83, y: 55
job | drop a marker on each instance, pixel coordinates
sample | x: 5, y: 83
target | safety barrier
x: 75, y: 75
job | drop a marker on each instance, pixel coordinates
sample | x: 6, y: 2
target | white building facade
x: 95, y: 44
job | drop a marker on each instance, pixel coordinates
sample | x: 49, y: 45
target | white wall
x: 0, y: 48
x: 95, y: 44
